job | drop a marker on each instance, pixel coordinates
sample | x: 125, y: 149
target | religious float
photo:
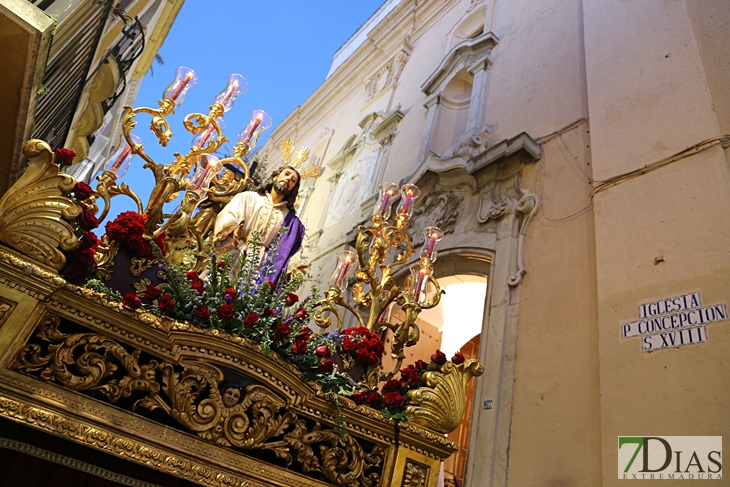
x: 149, y: 347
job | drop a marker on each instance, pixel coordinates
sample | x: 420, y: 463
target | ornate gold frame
x: 411, y: 454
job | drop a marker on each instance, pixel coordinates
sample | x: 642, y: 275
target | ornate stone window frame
x: 474, y: 55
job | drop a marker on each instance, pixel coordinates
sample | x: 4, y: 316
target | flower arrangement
x: 81, y: 261
x: 237, y: 295
x: 392, y: 399
x: 127, y: 229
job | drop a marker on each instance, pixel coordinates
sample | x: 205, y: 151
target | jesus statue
x: 264, y: 211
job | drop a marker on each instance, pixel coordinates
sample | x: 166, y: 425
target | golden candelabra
x: 198, y: 173
x: 372, y: 246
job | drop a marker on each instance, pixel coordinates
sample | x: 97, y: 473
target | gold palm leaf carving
x: 287, y: 148
x: 34, y: 211
x: 301, y: 157
x: 442, y: 403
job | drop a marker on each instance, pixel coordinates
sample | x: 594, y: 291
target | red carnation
x: 64, y: 157
x: 299, y: 347
x: 393, y: 385
x: 202, y: 312
x: 166, y: 303
x: 374, y: 400
x: 327, y: 366
x: 250, y: 320
x: 291, y: 298
x: 323, y: 351
x: 349, y: 344
x: 359, y: 397
x: 301, y: 314
x: 130, y: 300
x: 458, y: 358
x: 152, y: 292
x: 197, y: 286
x: 192, y: 276
x: 269, y: 312
x: 82, y: 191
x: 282, y: 332
x: 304, y: 333
x: 87, y: 220
x: 225, y: 312
x: 439, y: 357
x: 394, y: 400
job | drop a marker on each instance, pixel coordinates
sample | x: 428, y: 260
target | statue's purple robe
x: 289, y: 244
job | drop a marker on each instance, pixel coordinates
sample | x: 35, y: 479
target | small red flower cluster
x: 128, y: 227
x: 393, y: 395
x: 195, y: 283
x: 64, y: 157
x: 130, y: 300
x: 365, y: 346
x: 368, y: 398
x: 81, y: 260
x: 164, y: 303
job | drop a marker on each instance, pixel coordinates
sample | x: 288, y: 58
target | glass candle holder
x: 409, y: 192
x: 345, y: 262
x: 202, y: 138
x: 118, y: 163
x: 185, y: 78
x: 432, y: 235
x: 208, y: 167
x: 260, y: 121
x: 419, y: 280
x: 237, y: 85
x: 387, y: 194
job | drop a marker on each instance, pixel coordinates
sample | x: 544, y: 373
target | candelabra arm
x: 436, y: 298
x: 159, y: 126
x: 196, y: 123
x: 333, y: 298
x: 106, y: 189
x: 239, y: 151
x: 159, y: 196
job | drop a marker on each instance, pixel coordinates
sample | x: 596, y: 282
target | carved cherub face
x: 231, y: 396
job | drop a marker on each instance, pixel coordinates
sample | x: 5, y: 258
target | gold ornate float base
x: 151, y: 391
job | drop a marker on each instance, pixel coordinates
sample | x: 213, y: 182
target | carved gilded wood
x: 147, y: 389
x: 35, y: 216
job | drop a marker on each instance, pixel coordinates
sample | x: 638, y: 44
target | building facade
x: 575, y: 156
x: 88, y: 62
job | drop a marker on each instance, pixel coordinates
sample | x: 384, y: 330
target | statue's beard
x: 281, y: 188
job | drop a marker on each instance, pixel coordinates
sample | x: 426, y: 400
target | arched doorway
x: 455, y: 325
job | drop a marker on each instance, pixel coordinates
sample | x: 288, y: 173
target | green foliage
x: 100, y: 287
x: 398, y: 416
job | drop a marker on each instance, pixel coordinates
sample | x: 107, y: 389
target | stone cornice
x: 387, y: 37
x: 507, y: 147
x: 474, y: 51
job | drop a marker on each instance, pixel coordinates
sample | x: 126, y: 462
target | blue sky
x: 282, y: 47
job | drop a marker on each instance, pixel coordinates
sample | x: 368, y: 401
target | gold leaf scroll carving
x: 34, y: 211
x: 189, y: 393
x: 441, y: 404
